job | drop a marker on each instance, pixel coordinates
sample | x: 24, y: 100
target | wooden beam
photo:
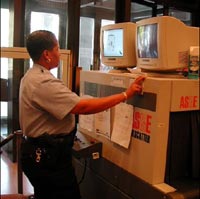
x: 122, y: 11
x: 73, y: 35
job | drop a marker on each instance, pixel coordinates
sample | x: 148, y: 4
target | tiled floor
x: 9, y: 177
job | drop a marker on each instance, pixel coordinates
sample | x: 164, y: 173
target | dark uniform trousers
x: 47, y: 162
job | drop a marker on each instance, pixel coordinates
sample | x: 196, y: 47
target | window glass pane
x: 4, y: 90
x: 139, y: 11
x: 185, y: 17
x: 106, y: 22
x: 92, y: 14
x: 46, y: 21
x: 4, y: 70
x: 4, y: 27
x: 86, y: 42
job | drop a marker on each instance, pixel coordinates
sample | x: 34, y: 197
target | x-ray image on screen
x: 113, y: 43
x: 147, y: 41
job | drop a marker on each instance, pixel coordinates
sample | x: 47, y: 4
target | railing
x: 65, y: 58
x: 17, y: 136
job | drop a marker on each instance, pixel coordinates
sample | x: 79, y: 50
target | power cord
x: 84, y: 171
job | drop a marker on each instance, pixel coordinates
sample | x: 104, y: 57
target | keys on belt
x: 38, y: 153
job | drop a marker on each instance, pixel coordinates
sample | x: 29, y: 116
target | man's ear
x: 45, y: 54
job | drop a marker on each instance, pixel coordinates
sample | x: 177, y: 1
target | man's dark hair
x: 38, y: 41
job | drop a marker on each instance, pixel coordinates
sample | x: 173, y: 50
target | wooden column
x: 195, y: 19
x: 122, y: 11
x: 73, y: 36
x: 17, y: 10
x: 96, y: 53
x: 19, y: 18
x: 154, y: 10
x: 165, y: 10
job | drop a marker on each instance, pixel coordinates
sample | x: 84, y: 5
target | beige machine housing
x: 146, y: 155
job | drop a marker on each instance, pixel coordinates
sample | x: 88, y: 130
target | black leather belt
x: 50, y: 139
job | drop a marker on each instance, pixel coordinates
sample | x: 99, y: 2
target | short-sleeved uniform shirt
x: 45, y: 104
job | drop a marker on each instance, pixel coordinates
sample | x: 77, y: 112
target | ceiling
x: 184, y: 5
x: 138, y: 10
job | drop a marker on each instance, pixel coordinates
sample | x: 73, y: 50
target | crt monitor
x: 117, y: 44
x: 163, y: 43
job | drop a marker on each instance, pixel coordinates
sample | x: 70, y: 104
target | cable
x: 84, y: 171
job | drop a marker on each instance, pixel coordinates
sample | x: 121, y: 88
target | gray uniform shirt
x: 45, y: 104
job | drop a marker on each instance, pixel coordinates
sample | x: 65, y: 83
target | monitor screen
x: 147, y: 41
x: 163, y: 43
x: 117, y: 45
x: 113, y: 43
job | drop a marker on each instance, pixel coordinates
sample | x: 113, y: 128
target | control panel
x: 86, y: 147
